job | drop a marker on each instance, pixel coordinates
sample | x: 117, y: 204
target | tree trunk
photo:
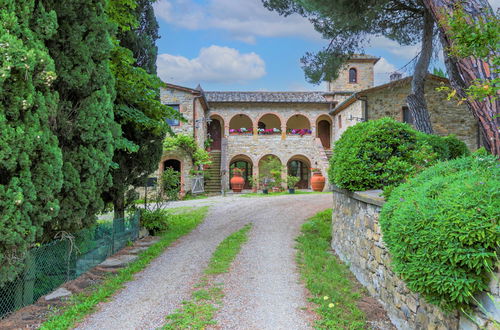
x: 119, y: 206
x: 463, y: 71
x: 416, y: 100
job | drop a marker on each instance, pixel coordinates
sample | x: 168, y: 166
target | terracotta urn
x: 237, y: 182
x: 317, y: 181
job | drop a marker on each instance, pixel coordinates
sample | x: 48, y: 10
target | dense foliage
x: 137, y: 106
x: 383, y: 153
x: 30, y: 159
x: 442, y: 229
x: 155, y: 221
x: 187, y: 144
x: 447, y: 147
x: 349, y: 25
x: 170, y: 184
x: 84, y: 123
x: 376, y: 154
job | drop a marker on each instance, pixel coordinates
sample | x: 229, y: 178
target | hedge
x: 442, y: 229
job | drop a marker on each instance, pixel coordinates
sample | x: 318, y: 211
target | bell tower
x: 356, y: 75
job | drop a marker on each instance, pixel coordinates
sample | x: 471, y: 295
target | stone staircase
x: 328, y: 153
x: 213, y: 183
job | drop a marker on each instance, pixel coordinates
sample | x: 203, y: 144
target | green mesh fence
x: 52, y: 264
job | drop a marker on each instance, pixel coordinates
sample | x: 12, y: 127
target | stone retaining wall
x: 357, y: 240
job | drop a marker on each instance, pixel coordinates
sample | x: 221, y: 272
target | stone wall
x: 191, y: 109
x: 346, y: 118
x: 447, y: 117
x: 358, y: 241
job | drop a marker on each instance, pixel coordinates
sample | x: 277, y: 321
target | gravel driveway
x: 262, y: 290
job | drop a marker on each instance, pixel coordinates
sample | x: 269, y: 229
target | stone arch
x: 216, y: 130
x: 244, y: 162
x: 270, y: 120
x: 324, y: 130
x: 180, y: 169
x: 239, y: 121
x: 300, y: 166
x: 220, y: 118
x: 298, y: 122
x: 263, y: 172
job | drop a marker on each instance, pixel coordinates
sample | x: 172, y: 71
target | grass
x: 199, y: 312
x: 297, y: 192
x: 84, y: 303
x: 329, y: 281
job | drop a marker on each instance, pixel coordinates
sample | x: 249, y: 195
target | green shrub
x: 456, y: 147
x: 447, y: 147
x: 170, y: 184
x: 155, y: 221
x: 442, y: 229
x: 376, y: 154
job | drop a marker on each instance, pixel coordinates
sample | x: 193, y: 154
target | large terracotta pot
x: 237, y: 182
x: 318, y: 182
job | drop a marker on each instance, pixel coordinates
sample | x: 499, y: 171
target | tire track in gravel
x: 262, y: 290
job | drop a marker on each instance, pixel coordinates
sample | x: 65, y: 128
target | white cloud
x: 404, y: 52
x: 243, y: 19
x: 213, y: 64
x: 495, y: 4
x: 382, y: 71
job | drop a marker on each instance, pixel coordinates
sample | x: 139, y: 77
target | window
x: 353, y: 75
x: 340, y: 121
x: 407, y: 117
x: 173, y: 122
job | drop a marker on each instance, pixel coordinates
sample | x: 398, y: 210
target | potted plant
x: 317, y: 180
x: 237, y: 181
x: 291, y: 181
x: 255, y: 184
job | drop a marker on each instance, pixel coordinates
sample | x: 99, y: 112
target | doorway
x: 324, y: 133
x: 215, y: 131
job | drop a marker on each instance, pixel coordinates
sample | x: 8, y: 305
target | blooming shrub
x: 242, y: 130
x: 442, y: 229
x: 301, y: 132
x: 376, y: 154
x: 268, y: 131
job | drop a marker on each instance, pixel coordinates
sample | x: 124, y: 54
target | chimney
x: 395, y: 76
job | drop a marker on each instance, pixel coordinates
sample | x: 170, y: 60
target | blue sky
x: 240, y: 45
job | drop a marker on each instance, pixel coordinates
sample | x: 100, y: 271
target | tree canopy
x: 349, y: 24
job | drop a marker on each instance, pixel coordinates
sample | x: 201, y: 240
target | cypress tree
x: 84, y: 124
x: 137, y: 106
x: 30, y: 158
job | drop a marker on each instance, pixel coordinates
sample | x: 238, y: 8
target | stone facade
x: 253, y: 146
x: 358, y: 241
x: 193, y: 108
x: 447, y: 117
x: 343, y: 105
x: 363, y: 65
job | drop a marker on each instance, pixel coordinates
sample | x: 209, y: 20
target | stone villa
x: 298, y: 128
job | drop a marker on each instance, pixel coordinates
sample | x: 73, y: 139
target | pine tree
x: 84, y: 123
x: 30, y: 158
x: 349, y: 25
x: 137, y: 106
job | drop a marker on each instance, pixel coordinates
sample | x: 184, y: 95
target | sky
x: 238, y: 45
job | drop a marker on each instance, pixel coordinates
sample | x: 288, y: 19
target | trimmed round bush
x: 442, y: 229
x: 376, y: 154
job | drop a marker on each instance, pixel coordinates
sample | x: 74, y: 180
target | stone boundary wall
x: 357, y: 240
